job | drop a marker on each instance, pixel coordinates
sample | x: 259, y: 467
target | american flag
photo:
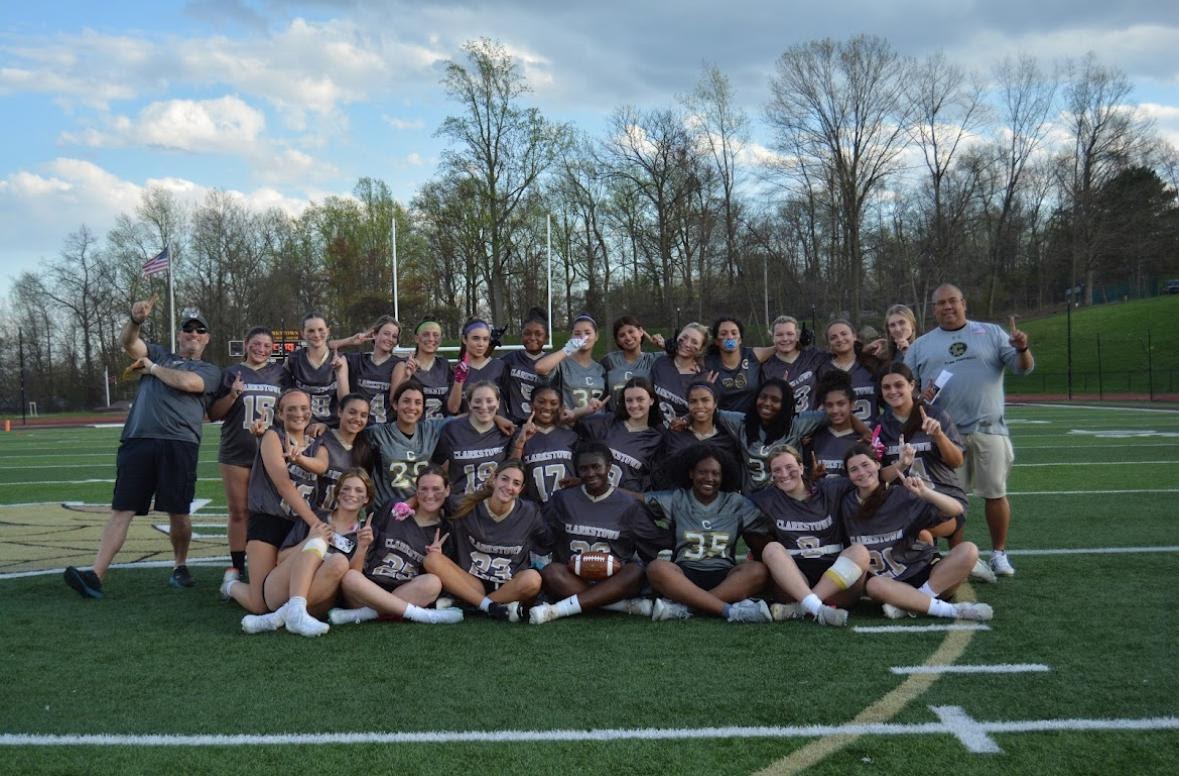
x: 156, y: 264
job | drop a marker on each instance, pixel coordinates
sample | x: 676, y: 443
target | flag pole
x: 171, y: 296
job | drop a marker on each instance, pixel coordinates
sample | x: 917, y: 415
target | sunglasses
x: 195, y: 330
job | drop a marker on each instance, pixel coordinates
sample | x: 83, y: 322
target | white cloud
x: 222, y: 125
x: 415, y: 159
x: 399, y: 123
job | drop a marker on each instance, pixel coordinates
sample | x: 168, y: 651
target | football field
x: 1077, y: 673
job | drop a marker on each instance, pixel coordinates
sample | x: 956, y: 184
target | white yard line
x: 964, y: 626
x: 958, y: 668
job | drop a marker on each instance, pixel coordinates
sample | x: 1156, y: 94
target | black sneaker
x: 86, y: 583
x: 181, y: 578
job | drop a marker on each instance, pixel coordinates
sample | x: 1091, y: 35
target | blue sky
x: 288, y: 102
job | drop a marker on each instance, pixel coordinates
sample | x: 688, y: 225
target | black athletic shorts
x: 922, y: 576
x: 271, y: 529
x: 813, y: 569
x: 705, y: 579
x: 163, y: 468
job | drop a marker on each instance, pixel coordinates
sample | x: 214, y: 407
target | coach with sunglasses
x: 158, y: 449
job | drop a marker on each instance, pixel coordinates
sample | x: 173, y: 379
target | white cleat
x: 513, y: 611
x: 663, y: 609
x: 542, y: 613
x: 262, y: 623
x: 303, y: 624
x: 829, y: 615
x: 896, y: 612
x: 974, y: 610
x: 230, y: 576
x: 784, y: 612
x: 337, y: 616
x: 983, y: 573
x: 749, y: 611
x: 443, y: 602
x: 1001, y: 565
x: 639, y: 606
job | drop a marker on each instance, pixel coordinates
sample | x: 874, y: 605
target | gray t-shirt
x: 976, y: 355
x: 162, y: 412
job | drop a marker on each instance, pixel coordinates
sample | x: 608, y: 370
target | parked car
x: 1173, y: 286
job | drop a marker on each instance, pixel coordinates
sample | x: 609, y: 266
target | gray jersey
x: 339, y: 461
x: 496, y: 550
x: 705, y: 534
x: 162, y: 412
x: 341, y: 542
x: 399, y: 547
x: 828, y: 447
x: 263, y: 497
x: 372, y: 381
x: 398, y: 459
x: 262, y: 387
x: 800, y: 374
x: 671, y: 388
x: 492, y: 372
x: 633, y: 451
x: 579, y: 384
x: 619, y: 370
x: 435, y: 386
x: 737, y: 386
x: 929, y: 463
x: 866, y: 406
x: 757, y: 448
x: 890, y: 531
x: 975, y: 355
x: 318, y: 382
x: 471, y: 455
x: 809, y: 528
x: 548, y: 459
x: 518, y: 381
x: 580, y: 523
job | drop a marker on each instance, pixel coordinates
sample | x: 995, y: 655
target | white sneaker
x: 982, y: 572
x: 974, y: 610
x: 301, y: 622
x: 896, y: 612
x: 749, y: 611
x: 1000, y: 565
x: 638, y: 606
x: 230, y: 576
x: 513, y: 611
x: 443, y: 602
x: 783, y: 612
x: 337, y: 616
x: 263, y: 623
x: 829, y: 615
x: 542, y: 613
x: 663, y: 609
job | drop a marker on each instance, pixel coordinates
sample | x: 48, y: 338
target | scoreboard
x: 285, y: 343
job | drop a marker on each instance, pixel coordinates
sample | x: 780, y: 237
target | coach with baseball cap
x: 158, y: 449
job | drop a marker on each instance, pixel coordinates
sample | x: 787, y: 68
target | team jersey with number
x: 318, y: 382
x: 929, y: 463
x: 809, y: 528
x: 737, y: 386
x: 619, y: 370
x: 371, y: 380
x: 799, y: 374
x: 398, y: 459
x: 472, y: 455
x: 435, y: 386
x: 863, y: 382
x: 705, y: 534
x: 496, y: 550
x: 671, y: 388
x: 341, y: 542
x: 339, y: 461
x: 580, y: 384
x: 676, y: 442
x: 633, y: 451
x: 548, y: 459
x: 756, y: 450
x: 492, y: 372
x: 828, y: 447
x: 399, y: 547
x: 262, y: 387
x: 581, y: 523
x: 518, y: 381
x: 263, y: 497
x: 889, y: 533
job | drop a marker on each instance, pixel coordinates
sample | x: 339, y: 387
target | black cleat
x: 181, y: 578
x: 86, y: 583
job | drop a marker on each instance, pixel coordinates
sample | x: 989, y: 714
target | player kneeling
x: 393, y: 583
x: 494, y: 534
x: 811, y: 567
x: 705, y: 516
x: 592, y: 527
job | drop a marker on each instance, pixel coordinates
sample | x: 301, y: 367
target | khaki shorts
x: 988, y: 462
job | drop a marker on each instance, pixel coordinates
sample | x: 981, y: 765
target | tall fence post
x: 1100, y: 386
x: 1069, y: 319
x: 1149, y: 367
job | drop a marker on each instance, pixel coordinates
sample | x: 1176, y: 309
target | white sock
x: 812, y: 604
x: 416, y: 614
x: 567, y: 607
x: 940, y: 608
x: 485, y: 604
x: 927, y: 590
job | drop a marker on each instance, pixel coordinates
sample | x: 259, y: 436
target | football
x: 594, y: 565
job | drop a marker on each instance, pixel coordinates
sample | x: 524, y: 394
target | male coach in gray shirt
x: 159, y: 446
x: 974, y: 356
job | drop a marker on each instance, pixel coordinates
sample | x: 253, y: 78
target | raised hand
x: 818, y: 470
x: 906, y: 454
x: 338, y: 361
x: 364, y: 537
x: 930, y: 426
x: 439, y: 540
x: 1018, y: 339
x: 141, y: 310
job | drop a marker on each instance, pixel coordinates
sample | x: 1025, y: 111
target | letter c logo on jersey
x: 589, y: 381
x: 957, y: 349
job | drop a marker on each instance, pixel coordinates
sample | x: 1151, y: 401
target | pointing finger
x: 1013, y: 329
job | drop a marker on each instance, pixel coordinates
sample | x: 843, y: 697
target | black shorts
x: 163, y: 468
x: 705, y: 579
x: 922, y: 576
x: 813, y: 569
x: 271, y: 529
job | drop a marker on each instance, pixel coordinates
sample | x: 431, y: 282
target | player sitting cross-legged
x: 594, y: 564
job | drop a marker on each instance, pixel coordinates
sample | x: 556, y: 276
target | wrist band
x: 1021, y: 350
